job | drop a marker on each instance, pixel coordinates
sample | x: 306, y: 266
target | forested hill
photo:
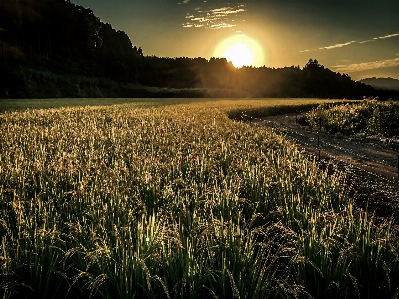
x: 61, y: 37
x: 54, y: 48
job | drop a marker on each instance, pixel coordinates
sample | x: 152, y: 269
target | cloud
x: 387, y: 36
x: 380, y: 37
x: 330, y: 47
x: 215, y: 18
x: 338, y: 45
x: 184, y: 2
x: 365, y: 66
x: 367, y: 41
x: 224, y: 11
x: 222, y: 25
x: 352, y: 42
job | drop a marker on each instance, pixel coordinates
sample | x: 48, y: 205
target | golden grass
x: 177, y: 200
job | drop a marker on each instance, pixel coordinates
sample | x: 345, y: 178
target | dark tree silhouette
x: 57, y: 37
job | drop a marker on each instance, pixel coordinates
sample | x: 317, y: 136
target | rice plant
x: 177, y: 201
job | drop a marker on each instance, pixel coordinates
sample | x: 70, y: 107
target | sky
x: 355, y: 37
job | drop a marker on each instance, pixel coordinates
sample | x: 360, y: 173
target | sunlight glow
x: 241, y: 51
x: 239, y: 54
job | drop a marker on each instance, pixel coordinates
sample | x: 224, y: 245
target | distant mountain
x: 382, y: 83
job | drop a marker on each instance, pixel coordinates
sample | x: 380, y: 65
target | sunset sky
x: 357, y: 37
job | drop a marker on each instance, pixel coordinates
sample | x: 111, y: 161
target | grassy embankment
x: 359, y: 119
x: 175, y: 200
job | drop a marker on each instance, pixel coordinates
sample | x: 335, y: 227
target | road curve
x: 371, y: 167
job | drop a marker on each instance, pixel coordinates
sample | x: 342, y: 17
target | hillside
x: 382, y: 83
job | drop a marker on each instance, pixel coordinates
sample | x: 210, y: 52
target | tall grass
x: 177, y: 202
x: 366, y: 118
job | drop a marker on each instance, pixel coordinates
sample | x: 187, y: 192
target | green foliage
x: 366, y: 118
x: 177, y: 201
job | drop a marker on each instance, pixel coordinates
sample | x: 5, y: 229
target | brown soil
x: 370, y: 166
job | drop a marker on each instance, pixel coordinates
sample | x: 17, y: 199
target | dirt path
x: 370, y: 166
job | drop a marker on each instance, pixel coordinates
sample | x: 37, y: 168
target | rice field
x: 176, y: 200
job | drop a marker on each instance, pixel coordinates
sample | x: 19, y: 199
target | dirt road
x: 371, y: 167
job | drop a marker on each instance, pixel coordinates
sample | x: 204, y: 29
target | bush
x: 366, y: 118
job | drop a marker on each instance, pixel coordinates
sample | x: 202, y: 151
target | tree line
x: 59, y: 37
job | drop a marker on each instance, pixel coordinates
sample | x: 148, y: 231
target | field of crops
x: 176, y: 200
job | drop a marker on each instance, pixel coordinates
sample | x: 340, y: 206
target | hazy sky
x: 357, y: 37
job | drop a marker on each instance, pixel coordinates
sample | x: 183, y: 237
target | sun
x: 240, y: 55
x: 241, y: 51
